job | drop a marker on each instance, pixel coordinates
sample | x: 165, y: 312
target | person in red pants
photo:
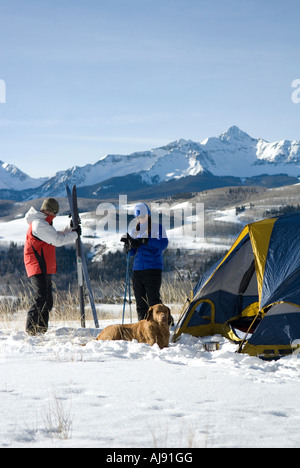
x: 40, y: 260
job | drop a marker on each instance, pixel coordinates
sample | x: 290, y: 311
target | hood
x: 33, y: 215
x: 141, y: 209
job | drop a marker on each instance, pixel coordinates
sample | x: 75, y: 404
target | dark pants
x: 146, y: 287
x: 38, y: 315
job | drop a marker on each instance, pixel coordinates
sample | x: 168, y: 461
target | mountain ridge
x: 234, y: 157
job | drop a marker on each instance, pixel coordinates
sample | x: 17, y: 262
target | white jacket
x: 47, y: 233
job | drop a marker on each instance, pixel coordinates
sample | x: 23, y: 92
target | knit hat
x: 141, y: 209
x: 50, y: 204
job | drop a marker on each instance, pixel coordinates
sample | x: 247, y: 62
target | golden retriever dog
x: 153, y: 329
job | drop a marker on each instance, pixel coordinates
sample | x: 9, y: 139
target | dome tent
x: 255, y: 287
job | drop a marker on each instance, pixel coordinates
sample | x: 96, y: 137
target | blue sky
x: 89, y: 77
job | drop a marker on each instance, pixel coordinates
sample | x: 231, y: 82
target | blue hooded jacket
x: 148, y: 256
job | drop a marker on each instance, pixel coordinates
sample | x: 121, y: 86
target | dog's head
x: 159, y: 313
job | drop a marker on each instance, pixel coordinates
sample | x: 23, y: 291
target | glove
x: 136, y: 243
x: 133, y: 243
x: 126, y: 239
x: 71, y: 221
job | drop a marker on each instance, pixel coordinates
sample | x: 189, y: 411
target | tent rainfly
x: 255, y: 288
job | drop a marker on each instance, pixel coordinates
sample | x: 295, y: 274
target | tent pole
x: 245, y: 337
x: 181, y: 315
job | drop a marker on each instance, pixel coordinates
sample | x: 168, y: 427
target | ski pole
x: 126, y: 284
x: 129, y: 295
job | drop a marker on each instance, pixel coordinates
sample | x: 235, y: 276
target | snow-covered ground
x: 15, y: 231
x: 57, y: 393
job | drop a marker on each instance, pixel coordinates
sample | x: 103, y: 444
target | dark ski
x: 82, y: 271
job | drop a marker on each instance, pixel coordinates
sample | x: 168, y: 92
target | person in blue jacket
x: 146, y: 243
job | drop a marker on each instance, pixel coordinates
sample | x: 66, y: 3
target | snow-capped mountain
x: 11, y: 178
x: 232, y: 154
x: 236, y: 153
x: 107, y: 167
x: 179, y: 159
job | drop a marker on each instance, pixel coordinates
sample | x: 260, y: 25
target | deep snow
x: 57, y: 393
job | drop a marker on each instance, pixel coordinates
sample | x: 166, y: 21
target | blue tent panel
x: 277, y: 329
x: 282, y: 266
